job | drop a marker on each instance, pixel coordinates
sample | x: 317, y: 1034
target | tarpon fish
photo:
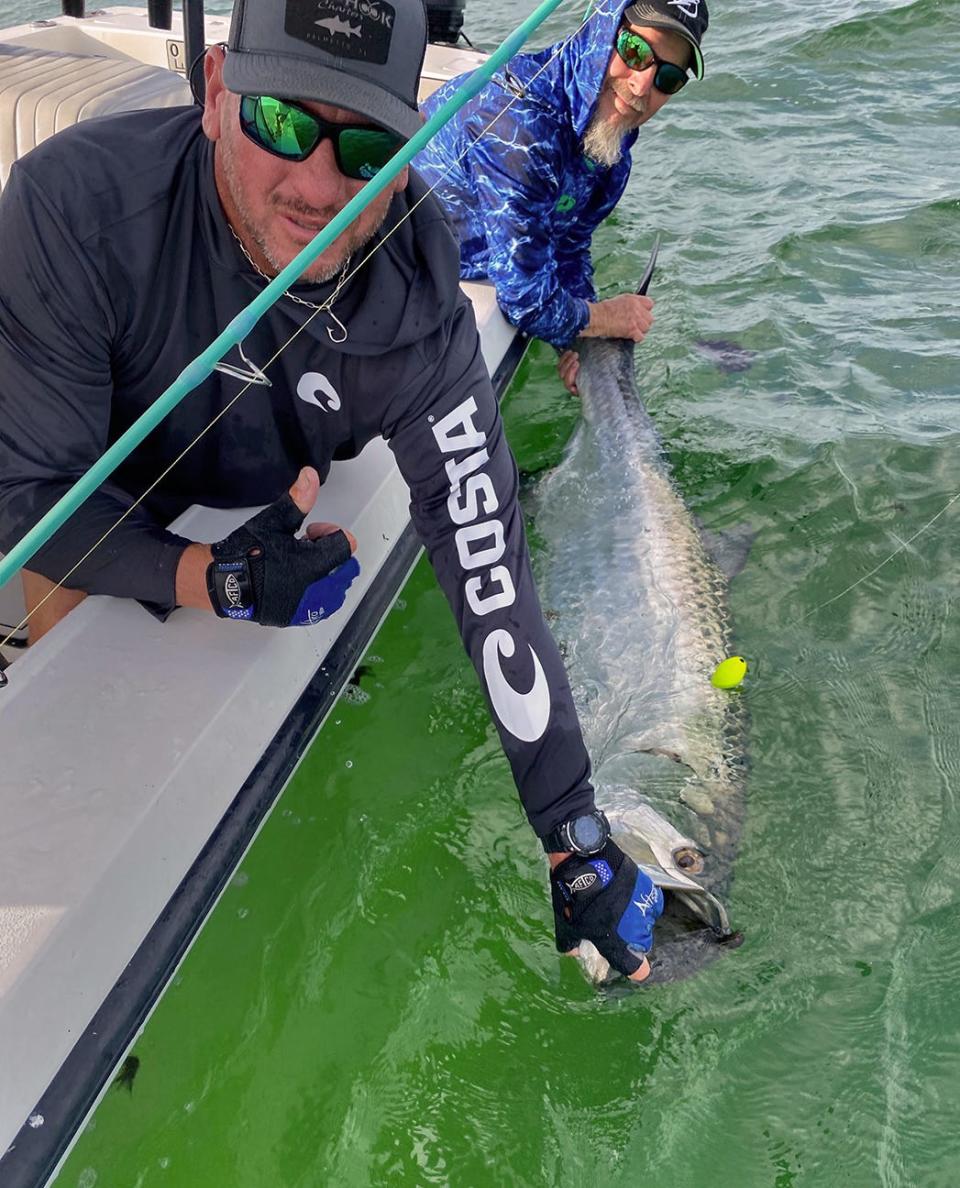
x: 638, y: 608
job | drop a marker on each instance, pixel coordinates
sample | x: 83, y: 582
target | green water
x: 377, y: 1000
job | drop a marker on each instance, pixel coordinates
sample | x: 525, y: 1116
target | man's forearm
x: 602, y: 322
x: 192, y: 577
x: 628, y: 315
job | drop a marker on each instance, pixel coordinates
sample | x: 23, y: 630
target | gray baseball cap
x: 361, y: 55
x: 688, y: 18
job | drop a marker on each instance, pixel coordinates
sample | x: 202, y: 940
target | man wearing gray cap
x: 527, y: 195
x: 130, y: 242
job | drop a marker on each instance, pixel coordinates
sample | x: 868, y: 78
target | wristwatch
x: 583, y: 835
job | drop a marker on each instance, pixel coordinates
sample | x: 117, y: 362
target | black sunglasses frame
x: 325, y: 131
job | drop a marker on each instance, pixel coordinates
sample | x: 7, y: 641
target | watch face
x: 587, y: 833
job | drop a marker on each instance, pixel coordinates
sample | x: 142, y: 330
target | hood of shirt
x: 570, y: 84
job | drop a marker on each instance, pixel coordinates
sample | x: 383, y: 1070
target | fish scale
x: 640, y: 615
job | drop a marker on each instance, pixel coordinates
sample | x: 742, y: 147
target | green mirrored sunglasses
x: 290, y: 131
x: 638, y: 55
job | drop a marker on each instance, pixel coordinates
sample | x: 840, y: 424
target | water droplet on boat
x: 240, y: 879
x: 87, y: 1178
x: 349, y: 763
x: 35, y: 1121
x: 243, y: 913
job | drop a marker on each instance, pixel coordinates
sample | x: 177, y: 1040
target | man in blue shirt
x: 527, y: 194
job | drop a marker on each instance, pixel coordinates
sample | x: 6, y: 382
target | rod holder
x: 160, y: 14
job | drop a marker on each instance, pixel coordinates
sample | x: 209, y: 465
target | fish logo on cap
x: 334, y: 25
x: 359, y: 29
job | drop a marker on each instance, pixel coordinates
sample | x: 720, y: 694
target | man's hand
x: 264, y: 573
x: 605, y: 899
x: 625, y: 316
x: 568, y: 365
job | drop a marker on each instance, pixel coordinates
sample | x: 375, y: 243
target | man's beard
x: 603, y: 141
x: 604, y: 137
x: 349, y: 241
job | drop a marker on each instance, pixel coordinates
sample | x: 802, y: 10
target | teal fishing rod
x: 240, y: 327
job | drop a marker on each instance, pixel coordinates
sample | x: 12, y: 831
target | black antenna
x: 194, y: 43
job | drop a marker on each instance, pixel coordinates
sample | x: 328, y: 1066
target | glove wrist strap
x: 231, y: 589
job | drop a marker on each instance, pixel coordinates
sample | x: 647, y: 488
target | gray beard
x: 603, y: 141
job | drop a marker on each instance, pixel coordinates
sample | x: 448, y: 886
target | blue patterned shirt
x: 523, y: 196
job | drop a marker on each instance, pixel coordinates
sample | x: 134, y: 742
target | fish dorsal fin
x: 728, y: 548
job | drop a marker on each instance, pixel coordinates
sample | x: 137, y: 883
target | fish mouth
x: 692, y: 932
x: 683, y: 947
x: 694, y: 928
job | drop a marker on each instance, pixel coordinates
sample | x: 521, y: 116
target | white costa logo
x: 689, y: 8
x: 481, y: 543
x: 525, y: 715
x: 314, y: 385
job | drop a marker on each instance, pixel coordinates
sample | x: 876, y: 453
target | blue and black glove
x: 606, y: 899
x: 264, y: 573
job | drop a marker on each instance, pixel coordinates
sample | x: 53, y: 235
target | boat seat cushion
x: 43, y: 91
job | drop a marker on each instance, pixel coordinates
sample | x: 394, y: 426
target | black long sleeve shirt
x: 117, y: 267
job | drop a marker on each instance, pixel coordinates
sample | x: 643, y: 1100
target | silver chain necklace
x: 324, y: 308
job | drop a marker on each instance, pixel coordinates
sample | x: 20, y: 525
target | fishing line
x: 13, y: 643
x: 133, y: 506
x: 755, y: 665
x: 876, y: 569
x: 322, y: 308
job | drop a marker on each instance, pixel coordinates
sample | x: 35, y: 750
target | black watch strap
x: 555, y: 841
x: 230, y: 587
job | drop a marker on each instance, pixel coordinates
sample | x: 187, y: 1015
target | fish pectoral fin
x: 663, y: 753
x: 728, y: 548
